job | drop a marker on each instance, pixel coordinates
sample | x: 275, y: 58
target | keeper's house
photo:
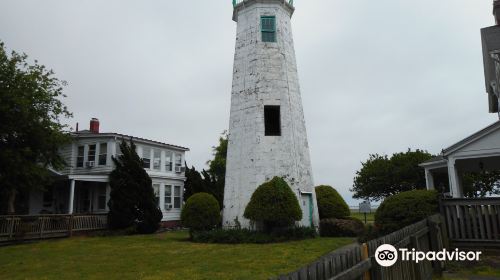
x: 82, y: 187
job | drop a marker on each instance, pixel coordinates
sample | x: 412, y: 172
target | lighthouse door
x: 307, y: 209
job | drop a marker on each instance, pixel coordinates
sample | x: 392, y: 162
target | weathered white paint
x: 264, y: 74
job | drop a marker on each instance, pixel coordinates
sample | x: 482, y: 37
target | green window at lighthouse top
x: 268, y: 28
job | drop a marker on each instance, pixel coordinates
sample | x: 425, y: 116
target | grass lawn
x: 488, y: 267
x: 370, y: 217
x: 160, y: 256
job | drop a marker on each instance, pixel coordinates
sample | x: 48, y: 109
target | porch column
x: 455, y: 186
x: 429, y: 179
x: 71, y: 197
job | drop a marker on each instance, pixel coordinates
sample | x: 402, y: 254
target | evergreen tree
x: 212, y: 180
x: 132, y: 201
x: 194, y: 183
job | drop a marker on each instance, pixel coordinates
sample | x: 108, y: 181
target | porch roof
x: 441, y: 159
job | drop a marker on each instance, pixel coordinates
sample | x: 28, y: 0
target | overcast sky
x: 376, y: 76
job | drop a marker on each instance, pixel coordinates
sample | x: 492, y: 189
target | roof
x: 434, y: 160
x: 472, y: 138
x: 88, y: 134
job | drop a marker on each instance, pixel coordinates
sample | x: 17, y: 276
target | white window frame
x: 179, y: 196
x: 168, y: 190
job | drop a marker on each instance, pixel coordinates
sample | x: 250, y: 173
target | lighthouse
x: 267, y: 131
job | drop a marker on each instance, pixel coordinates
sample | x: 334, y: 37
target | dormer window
x: 268, y: 28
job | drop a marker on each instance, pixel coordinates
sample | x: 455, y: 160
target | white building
x: 267, y: 132
x: 481, y: 150
x: 82, y: 187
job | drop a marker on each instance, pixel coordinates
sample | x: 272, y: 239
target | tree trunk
x: 11, y: 202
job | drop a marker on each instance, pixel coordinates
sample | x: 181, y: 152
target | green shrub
x: 236, y: 236
x: 348, y: 227
x: 274, y: 205
x: 201, y: 212
x: 370, y: 233
x: 330, y: 203
x: 404, y: 209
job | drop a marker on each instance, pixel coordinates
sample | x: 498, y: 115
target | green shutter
x: 268, y: 28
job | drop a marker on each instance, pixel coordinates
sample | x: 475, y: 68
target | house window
x: 146, y: 157
x: 101, y: 198
x: 268, y: 28
x: 91, y: 156
x: 103, y: 153
x: 168, y: 161
x: 168, y: 197
x: 118, y: 150
x: 156, y: 159
x: 178, y: 162
x: 156, y: 190
x: 272, y: 120
x: 80, y: 156
x: 177, y: 197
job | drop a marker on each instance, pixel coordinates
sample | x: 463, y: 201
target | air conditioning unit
x: 168, y: 206
x: 180, y: 169
x: 90, y: 164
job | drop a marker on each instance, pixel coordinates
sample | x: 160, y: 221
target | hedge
x: 274, y: 205
x: 201, y: 212
x: 404, y: 209
x: 330, y: 203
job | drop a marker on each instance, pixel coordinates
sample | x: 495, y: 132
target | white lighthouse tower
x: 267, y: 132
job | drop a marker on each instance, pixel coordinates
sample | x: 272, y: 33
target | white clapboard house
x: 82, y: 187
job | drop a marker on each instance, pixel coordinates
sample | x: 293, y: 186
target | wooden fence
x: 472, y: 222
x: 18, y: 228
x: 357, y: 261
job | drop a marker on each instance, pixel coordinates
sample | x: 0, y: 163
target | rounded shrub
x: 330, y: 203
x: 274, y: 205
x: 404, y: 209
x: 348, y: 227
x: 201, y: 212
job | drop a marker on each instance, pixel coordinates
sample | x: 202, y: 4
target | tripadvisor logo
x: 387, y: 255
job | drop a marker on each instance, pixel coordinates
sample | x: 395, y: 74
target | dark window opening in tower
x: 272, y: 121
x: 268, y: 28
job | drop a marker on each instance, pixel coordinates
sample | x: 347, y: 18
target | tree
x: 132, y: 201
x: 217, y: 169
x: 480, y: 184
x: 212, y: 180
x: 381, y: 176
x: 30, y: 125
x: 194, y: 183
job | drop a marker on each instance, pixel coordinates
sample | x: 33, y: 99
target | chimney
x: 496, y: 11
x: 94, y: 125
